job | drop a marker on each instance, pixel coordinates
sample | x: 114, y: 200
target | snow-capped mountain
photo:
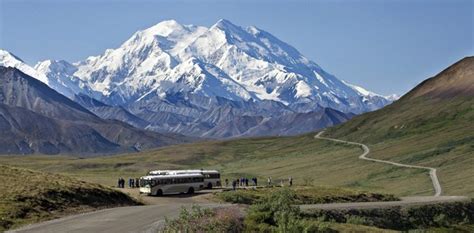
x: 196, y: 80
x: 225, y: 60
x: 56, y: 75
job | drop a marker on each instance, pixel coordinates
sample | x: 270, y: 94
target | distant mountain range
x: 36, y: 119
x: 217, y: 82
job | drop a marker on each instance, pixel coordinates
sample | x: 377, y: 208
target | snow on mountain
x: 7, y: 59
x: 225, y: 60
x: 61, y: 78
x: 55, y: 74
x: 221, y: 81
x: 392, y: 97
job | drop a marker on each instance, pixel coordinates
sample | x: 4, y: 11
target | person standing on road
x: 119, y: 182
x: 290, y: 180
x: 269, y: 180
x: 247, y: 182
x: 226, y: 183
x: 256, y: 184
x: 137, y: 183
x: 234, y: 183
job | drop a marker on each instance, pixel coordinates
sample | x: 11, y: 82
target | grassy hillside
x: 433, y: 125
x: 303, y: 195
x: 28, y: 196
x: 307, y: 160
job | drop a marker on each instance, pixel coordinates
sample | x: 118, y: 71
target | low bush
x: 356, y: 220
x: 239, y: 197
x: 407, y: 218
x: 304, y: 195
x: 199, y: 219
x: 278, y: 213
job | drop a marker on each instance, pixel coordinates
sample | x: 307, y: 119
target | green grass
x: 304, y: 195
x: 428, y: 132
x: 307, y: 160
x: 28, y: 196
x: 441, y: 217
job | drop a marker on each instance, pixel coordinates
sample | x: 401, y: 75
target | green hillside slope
x: 307, y: 160
x: 28, y: 196
x: 432, y: 125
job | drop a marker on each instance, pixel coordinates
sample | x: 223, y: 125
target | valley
x: 225, y: 104
x: 307, y: 160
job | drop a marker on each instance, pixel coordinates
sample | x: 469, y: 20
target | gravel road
x: 432, y: 171
x: 144, y: 219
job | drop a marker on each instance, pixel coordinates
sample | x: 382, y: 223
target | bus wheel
x: 159, y: 192
x: 209, y: 186
x: 191, y: 190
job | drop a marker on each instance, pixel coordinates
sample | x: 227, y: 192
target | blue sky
x: 385, y: 46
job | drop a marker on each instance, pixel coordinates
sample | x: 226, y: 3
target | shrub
x: 199, y: 219
x: 315, y: 226
x: 238, y: 197
x: 277, y: 213
x: 441, y: 220
x: 403, y: 218
x: 356, y: 220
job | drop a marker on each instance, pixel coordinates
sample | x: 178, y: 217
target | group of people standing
x: 241, y: 182
x: 290, y: 181
x: 132, y: 183
x: 244, y: 182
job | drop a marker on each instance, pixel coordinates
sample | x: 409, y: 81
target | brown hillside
x: 455, y: 81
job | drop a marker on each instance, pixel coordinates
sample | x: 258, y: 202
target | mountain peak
x: 232, y: 60
x: 7, y: 59
x: 164, y: 28
x: 7, y: 55
x: 224, y: 24
x: 58, y: 65
x: 169, y: 22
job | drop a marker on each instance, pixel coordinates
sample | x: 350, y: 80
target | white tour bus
x: 212, y: 178
x: 158, y: 185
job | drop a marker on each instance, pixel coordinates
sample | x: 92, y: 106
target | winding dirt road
x: 433, y: 176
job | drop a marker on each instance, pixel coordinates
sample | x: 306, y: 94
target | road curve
x: 433, y: 176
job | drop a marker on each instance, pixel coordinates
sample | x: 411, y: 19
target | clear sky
x: 385, y: 46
